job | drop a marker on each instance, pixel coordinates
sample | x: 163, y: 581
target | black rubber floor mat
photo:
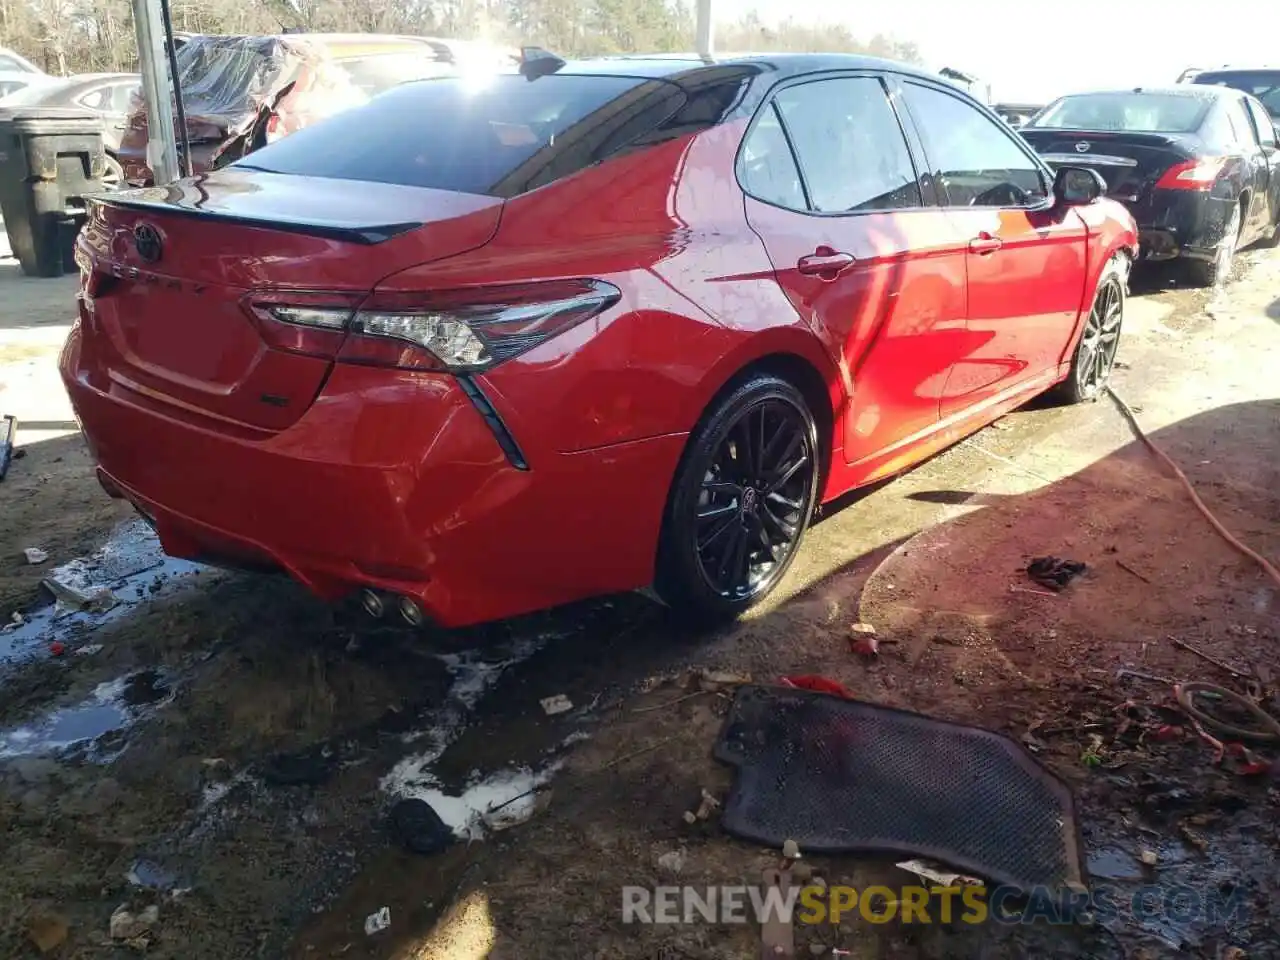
x: 843, y: 776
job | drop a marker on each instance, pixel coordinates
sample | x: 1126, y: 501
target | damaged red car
x: 241, y: 93
x: 586, y: 328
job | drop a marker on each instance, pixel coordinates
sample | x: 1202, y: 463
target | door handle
x: 825, y: 262
x: 984, y: 244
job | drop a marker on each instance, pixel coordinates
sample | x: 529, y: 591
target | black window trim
x: 1252, y: 108
x: 768, y: 104
x: 1011, y: 135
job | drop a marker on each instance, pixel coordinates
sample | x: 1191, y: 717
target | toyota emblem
x: 1082, y: 147
x: 147, y: 240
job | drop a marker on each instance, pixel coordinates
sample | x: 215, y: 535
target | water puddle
x: 1160, y: 891
x: 129, y: 569
x: 110, y: 709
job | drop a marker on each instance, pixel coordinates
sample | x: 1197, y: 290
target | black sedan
x: 1196, y: 165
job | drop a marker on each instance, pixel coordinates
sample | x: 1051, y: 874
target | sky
x: 1034, y: 50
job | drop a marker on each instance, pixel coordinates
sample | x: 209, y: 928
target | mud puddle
x: 1204, y: 889
x: 128, y: 570
x: 95, y: 725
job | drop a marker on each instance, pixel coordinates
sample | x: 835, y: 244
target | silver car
x: 106, y: 94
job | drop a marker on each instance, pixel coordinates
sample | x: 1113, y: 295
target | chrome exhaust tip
x: 411, y: 613
x: 372, y: 603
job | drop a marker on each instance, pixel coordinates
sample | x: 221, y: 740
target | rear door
x: 1255, y: 175
x: 1026, y: 256
x: 876, y: 271
x: 1265, y: 129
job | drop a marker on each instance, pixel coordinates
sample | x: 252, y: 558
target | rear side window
x: 850, y: 147
x: 767, y: 166
x: 500, y: 135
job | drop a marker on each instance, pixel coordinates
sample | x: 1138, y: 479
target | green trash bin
x: 50, y: 159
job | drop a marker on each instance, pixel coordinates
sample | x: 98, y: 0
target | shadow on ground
x: 959, y: 645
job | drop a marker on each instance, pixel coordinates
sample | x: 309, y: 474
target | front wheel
x: 740, y: 501
x: 1095, y: 355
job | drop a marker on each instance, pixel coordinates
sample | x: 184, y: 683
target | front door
x: 1026, y: 256
x: 877, y: 274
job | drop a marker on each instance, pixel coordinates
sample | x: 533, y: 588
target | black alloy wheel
x: 741, y: 500
x: 1095, y: 355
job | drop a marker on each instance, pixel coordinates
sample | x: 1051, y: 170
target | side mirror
x: 1078, y: 186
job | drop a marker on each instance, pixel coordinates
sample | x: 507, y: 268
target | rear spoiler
x: 367, y: 233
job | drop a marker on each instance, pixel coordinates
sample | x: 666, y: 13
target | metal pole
x: 706, y: 29
x: 162, y: 151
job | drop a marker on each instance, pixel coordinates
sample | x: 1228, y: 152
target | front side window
x: 850, y: 146
x: 975, y: 161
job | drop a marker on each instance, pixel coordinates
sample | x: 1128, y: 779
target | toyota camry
x: 483, y: 346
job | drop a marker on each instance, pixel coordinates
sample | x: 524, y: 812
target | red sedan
x: 595, y: 326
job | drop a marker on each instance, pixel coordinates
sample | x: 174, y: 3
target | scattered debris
x: 98, y: 600
x: 89, y: 650
x: 34, y: 555
x: 818, y: 685
x: 1091, y: 756
x: 1034, y: 593
x: 510, y: 814
x: 715, y: 681
x: 57, y: 648
x: 377, y: 922
x: 672, y: 861
x: 1225, y: 667
x: 555, y: 705
x: 707, y: 805
x: 1128, y: 569
x: 47, y: 931
x: 418, y: 828
x: 777, y: 935
x: 864, y: 640
x: 791, y: 850
x: 936, y: 873
x: 8, y: 437
x: 130, y: 926
x: 1149, y: 858
x: 1054, y: 573
x: 1193, y: 838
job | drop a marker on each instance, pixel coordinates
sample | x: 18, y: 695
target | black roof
x: 781, y: 65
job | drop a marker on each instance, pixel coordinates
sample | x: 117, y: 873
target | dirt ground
x: 227, y: 749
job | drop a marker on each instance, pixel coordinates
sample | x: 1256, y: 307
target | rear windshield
x: 1263, y: 84
x: 498, y: 135
x: 1126, y: 112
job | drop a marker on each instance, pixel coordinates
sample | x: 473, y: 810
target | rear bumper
x: 389, y: 480
x: 1181, y: 223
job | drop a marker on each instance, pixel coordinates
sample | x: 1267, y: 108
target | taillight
x: 456, y: 330
x: 1199, y: 174
x: 312, y: 323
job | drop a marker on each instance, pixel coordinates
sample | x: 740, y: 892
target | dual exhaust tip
x: 376, y: 605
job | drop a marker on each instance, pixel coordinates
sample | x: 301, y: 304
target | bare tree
x: 79, y: 36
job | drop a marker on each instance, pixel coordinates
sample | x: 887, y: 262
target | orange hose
x: 1164, y: 458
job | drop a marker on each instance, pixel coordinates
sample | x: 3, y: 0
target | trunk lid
x: 168, y: 270
x: 1131, y: 163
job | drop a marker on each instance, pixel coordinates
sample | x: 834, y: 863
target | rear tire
x: 1099, y: 341
x: 1209, y: 273
x: 740, y: 501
